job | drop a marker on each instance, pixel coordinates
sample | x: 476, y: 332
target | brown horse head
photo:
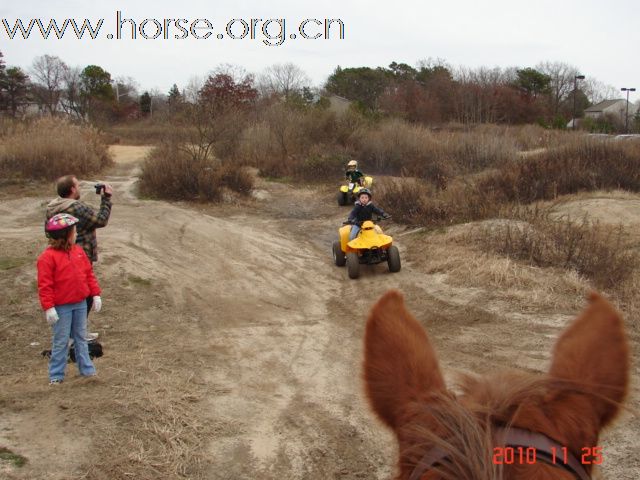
x: 510, y: 425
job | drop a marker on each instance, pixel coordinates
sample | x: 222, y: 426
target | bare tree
x: 283, y: 79
x: 237, y: 73
x: 562, y: 81
x: 476, y: 101
x: 126, y: 89
x: 72, y: 101
x: 597, y: 91
x: 192, y: 90
x: 48, y: 73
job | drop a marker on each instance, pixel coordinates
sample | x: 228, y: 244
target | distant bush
x: 170, y: 172
x: 50, y: 147
x: 288, y: 141
x: 146, y: 131
x: 322, y: 163
x: 397, y: 147
x: 584, y: 164
x: 416, y: 202
x: 597, y: 252
x: 410, y: 201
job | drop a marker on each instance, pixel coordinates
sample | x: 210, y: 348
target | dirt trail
x: 233, y: 345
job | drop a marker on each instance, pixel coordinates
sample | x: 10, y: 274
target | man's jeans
x: 72, y: 324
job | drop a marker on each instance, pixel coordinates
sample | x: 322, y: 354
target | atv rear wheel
x: 338, y: 255
x: 342, y: 199
x: 393, y: 259
x: 353, y: 265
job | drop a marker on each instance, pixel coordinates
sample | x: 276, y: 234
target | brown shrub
x: 394, y: 146
x: 236, y: 178
x: 409, y: 201
x: 583, y: 164
x: 50, y: 147
x: 416, y: 202
x: 526, y: 137
x: 170, y: 172
x: 397, y: 147
x: 597, y: 252
x: 288, y: 141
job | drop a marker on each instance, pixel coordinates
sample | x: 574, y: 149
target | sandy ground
x: 233, y: 344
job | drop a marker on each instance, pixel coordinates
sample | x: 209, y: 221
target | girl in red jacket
x: 65, y: 280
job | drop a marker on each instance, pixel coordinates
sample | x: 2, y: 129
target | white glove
x: 52, y: 316
x: 97, y: 303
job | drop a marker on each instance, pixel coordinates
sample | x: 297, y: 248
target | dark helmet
x: 365, y: 191
x: 58, y: 226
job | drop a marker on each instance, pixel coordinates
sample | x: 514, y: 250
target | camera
x: 99, y: 188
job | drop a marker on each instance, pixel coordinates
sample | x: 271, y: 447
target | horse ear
x: 400, y: 364
x: 593, y: 353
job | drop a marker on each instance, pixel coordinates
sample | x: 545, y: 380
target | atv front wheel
x: 338, y: 255
x: 353, y: 265
x: 342, y: 199
x: 393, y: 259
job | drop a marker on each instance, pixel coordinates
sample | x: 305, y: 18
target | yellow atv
x: 348, y: 193
x: 371, y: 246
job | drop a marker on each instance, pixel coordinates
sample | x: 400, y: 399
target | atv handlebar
x: 349, y: 222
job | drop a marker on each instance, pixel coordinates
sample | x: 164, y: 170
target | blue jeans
x: 355, y: 229
x: 72, y: 324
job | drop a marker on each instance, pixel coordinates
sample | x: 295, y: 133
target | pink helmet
x: 58, y: 225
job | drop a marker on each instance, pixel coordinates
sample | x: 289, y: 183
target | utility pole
x: 575, y: 91
x: 626, y: 117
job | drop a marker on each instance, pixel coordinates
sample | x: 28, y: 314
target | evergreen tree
x: 145, y: 103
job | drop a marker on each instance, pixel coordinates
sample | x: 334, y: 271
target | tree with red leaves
x: 221, y: 92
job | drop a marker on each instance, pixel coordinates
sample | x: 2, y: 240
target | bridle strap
x: 514, y: 437
x: 431, y: 458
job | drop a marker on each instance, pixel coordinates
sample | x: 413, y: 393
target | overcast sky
x: 600, y: 38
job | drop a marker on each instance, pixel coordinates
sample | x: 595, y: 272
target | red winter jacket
x: 65, y: 277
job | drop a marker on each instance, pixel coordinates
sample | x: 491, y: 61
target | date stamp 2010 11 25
x: 529, y: 456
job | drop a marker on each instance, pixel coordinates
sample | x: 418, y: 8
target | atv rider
x: 362, y: 212
x: 353, y: 174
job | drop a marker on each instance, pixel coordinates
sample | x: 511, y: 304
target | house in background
x: 616, y: 108
x: 338, y: 104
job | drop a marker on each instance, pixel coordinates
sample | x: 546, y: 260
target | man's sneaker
x: 91, y: 336
x: 55, y: 382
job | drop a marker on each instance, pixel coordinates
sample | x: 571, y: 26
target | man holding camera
x: 69, y: 202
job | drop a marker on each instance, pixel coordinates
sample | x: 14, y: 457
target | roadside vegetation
x: 48, y: 147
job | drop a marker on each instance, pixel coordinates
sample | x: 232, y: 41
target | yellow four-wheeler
x: 371, y: 246
x: 349, y: 193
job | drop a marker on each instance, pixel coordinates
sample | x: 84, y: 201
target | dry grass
x: 597, y: 252
x: 159, y: 416
x: 147, y: 131
x: 580, y: 165
x: 419, y: 203
x: 395, y: 146
x: 50, y: 147
x: 503, y: 279
x: 584, y: 164
x: 527, y: 137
